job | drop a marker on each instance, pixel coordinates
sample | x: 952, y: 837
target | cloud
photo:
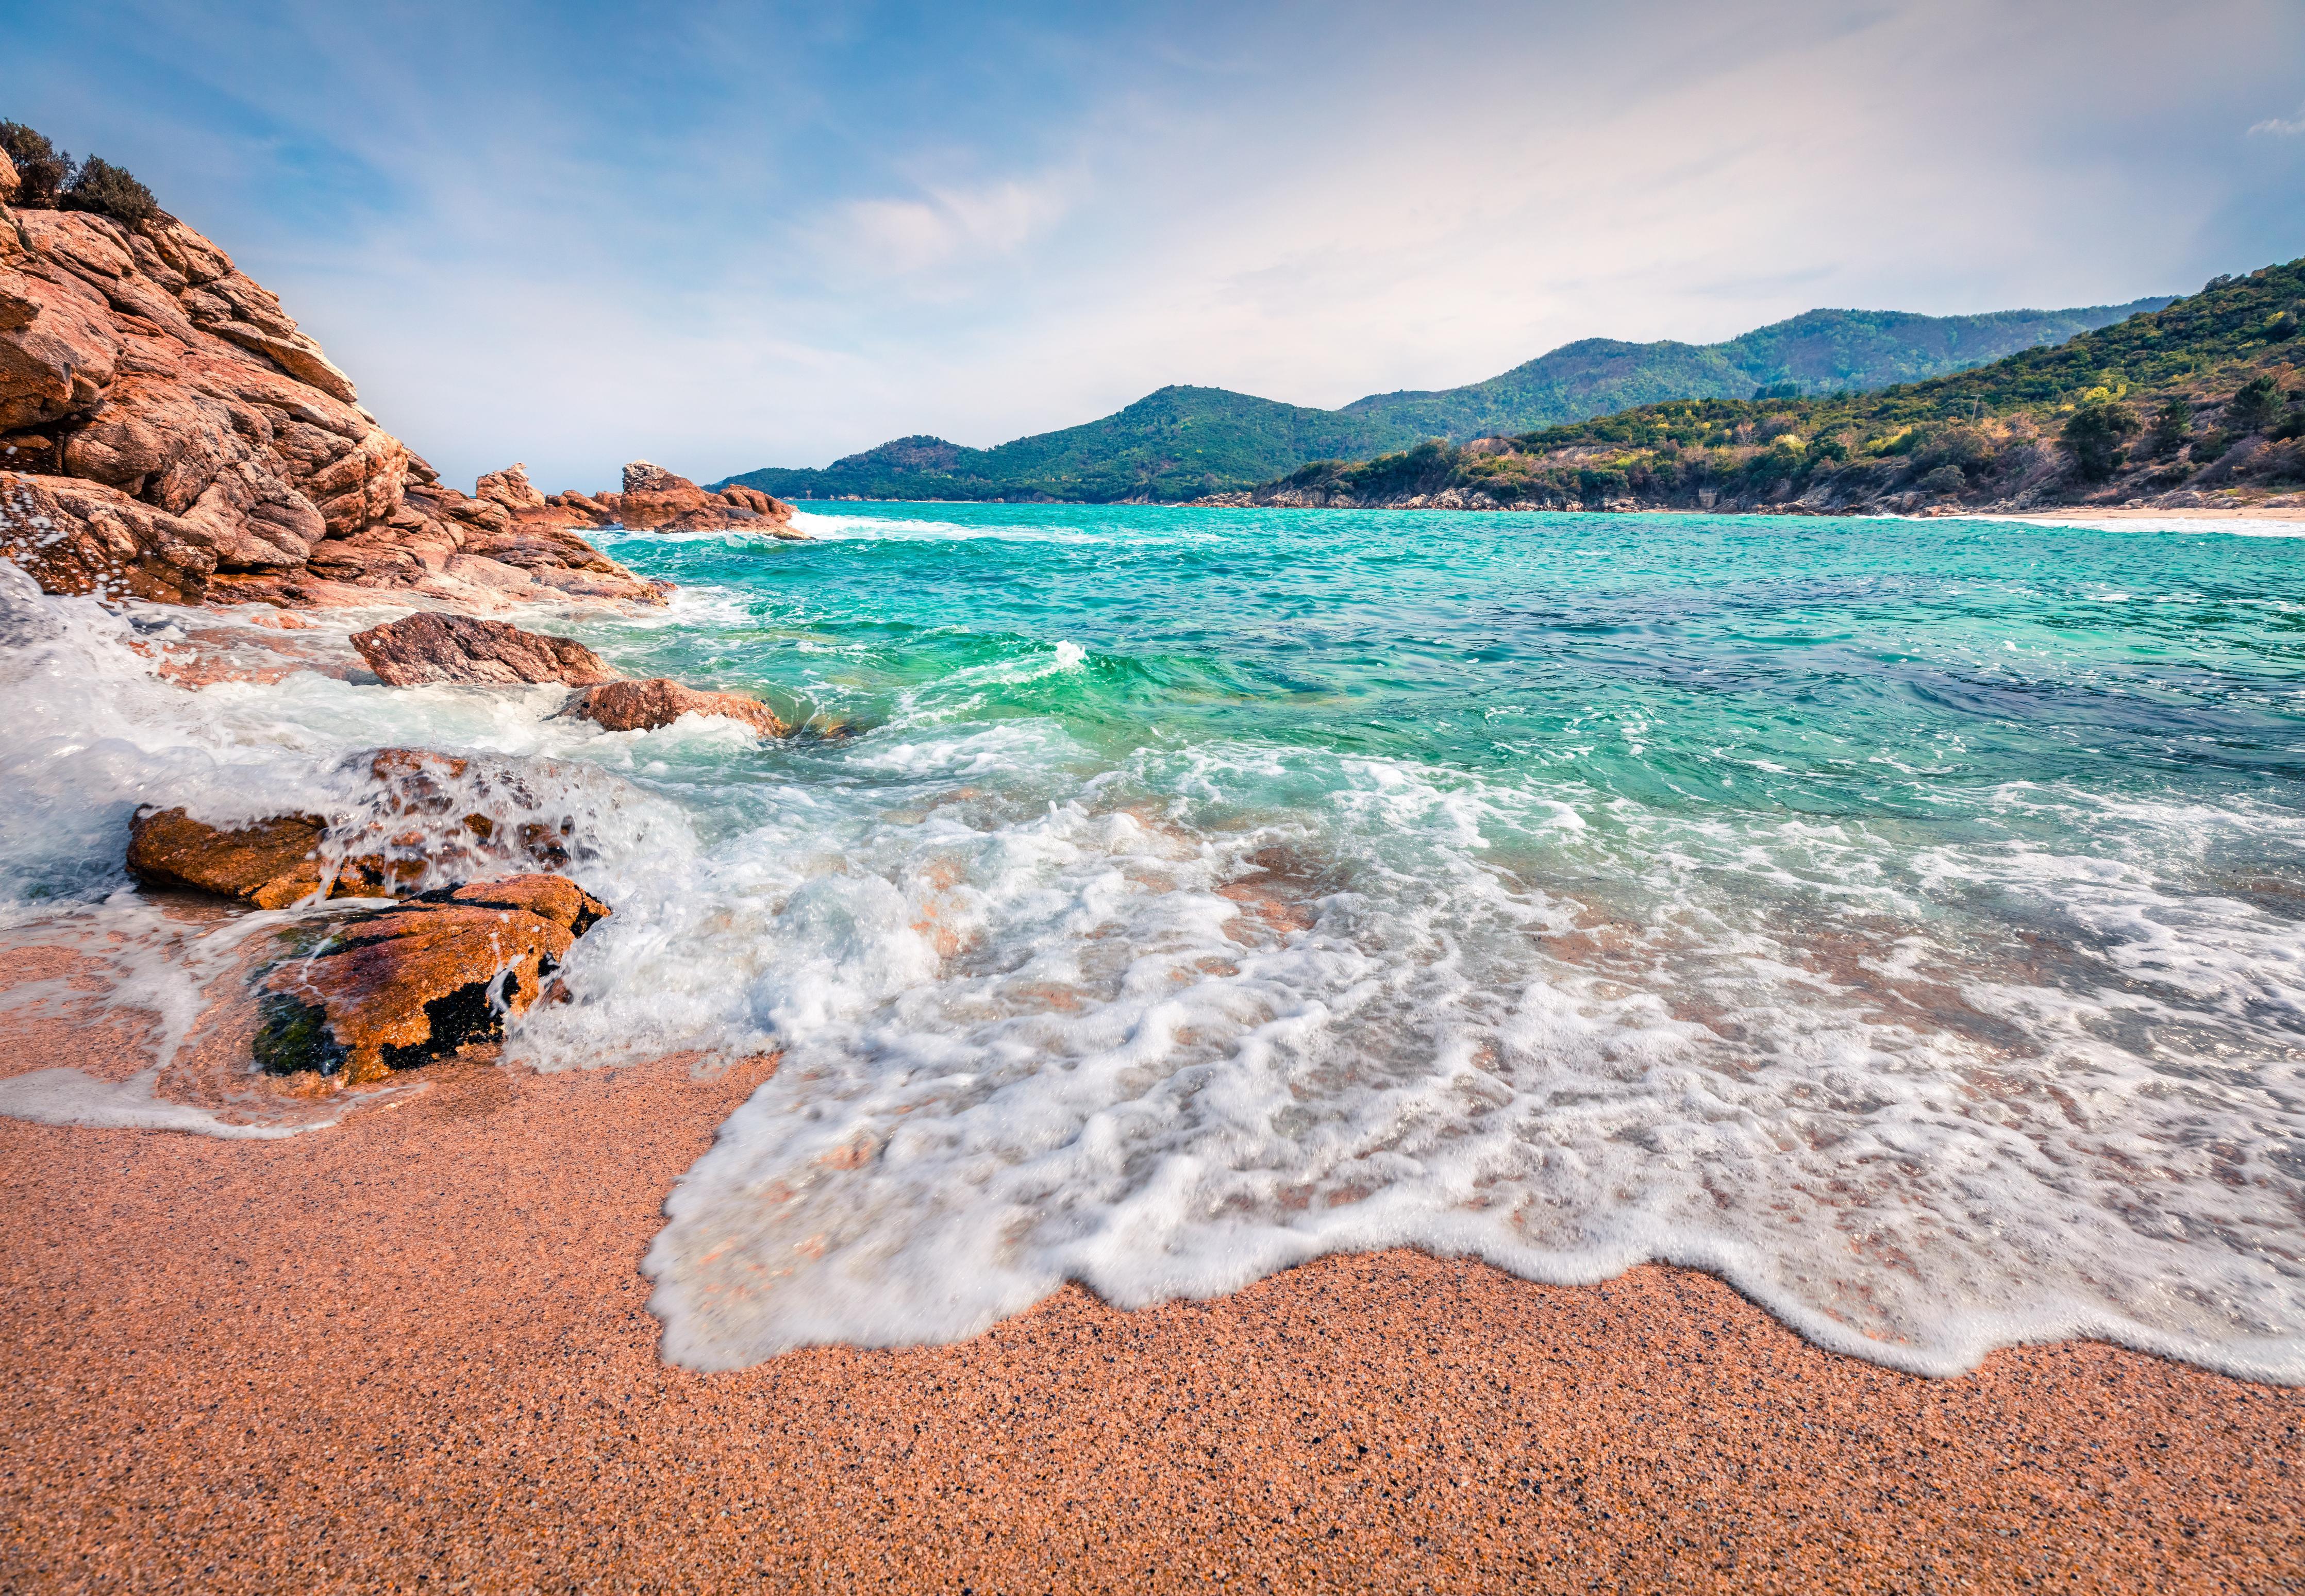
x: 946, y: 225
x: 2283, y: 126
x: 754, y: 231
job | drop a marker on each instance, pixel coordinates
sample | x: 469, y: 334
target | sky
x: 728, y: 235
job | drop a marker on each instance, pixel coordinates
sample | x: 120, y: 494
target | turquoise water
x: 1901, y: 919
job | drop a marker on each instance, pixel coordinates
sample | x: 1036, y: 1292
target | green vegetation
x: 49, y: 179
x: 109, y: 190
x: 1183, y: 443
x: 1177, y: 444
x: 42, y: 170
x: 2040, y: 421
x: 1818, y: 351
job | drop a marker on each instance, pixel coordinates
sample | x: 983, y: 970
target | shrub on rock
x: 109, y: 190
x: 42, y: 170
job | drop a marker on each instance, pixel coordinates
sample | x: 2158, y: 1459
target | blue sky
x: 729, y: 235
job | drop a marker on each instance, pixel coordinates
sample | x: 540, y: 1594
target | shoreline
x: 417, y: 1346
x: 2081, y: 515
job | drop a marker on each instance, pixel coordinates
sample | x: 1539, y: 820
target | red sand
x: 412, y: 1353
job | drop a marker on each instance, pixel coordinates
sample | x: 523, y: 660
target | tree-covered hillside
x: 1818, y: 352
x: 1184, y: 443
x: 2200, y: 397
x: 1178, y: 443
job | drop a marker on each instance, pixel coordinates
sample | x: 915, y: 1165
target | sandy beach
x: 413, y: 1352
x: 2290, y: 513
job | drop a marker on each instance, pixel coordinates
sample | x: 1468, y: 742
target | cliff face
x: 167, y: 433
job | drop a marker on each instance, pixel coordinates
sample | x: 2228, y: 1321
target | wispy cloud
x: 732, y: 232
x: 2282, y: 127
x: 945, y: 224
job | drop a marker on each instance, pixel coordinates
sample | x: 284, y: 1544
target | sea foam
x: 1162, y: 948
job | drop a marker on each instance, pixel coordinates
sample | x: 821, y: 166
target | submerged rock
x: 271, y: 863
x: 434, y: 647
x: 629, y: 706
x: 396, y: 989
x: 421, y: 821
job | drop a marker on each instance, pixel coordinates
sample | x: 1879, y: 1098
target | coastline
x: 2290, y: 514
x: 416, y: 1347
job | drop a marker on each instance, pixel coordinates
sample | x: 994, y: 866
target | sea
x: 1902, y: 920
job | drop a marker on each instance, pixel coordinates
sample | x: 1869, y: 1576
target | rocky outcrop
x: 654, y: 499
x: 421, y: 821
x: 397, y: 989
x: 167, y: 432
x: 646, y: 705
x: 271, y: 863
x: 434, y: 647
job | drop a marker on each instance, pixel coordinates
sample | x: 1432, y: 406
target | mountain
x: 1176, y: 444
x: 1816, y: 351
x: 1183, y: 443
x: 2202, y: 397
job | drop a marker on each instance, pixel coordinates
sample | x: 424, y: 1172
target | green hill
x: 1178, y: 443
x: 2199, y: 397
x: 1184, y: 443
x: 1816, y: 351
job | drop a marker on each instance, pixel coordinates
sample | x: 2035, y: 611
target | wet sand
x: 412, y: 1353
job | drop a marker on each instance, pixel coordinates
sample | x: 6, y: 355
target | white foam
x: 64, y: 1096
x: 1169, y: 1023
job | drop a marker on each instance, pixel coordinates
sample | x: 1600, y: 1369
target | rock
x: 581, y: 509
x: 412, y: 829
x: 270, y: 863
x: 396, y: 990
x: 140, y: 360
x: 655, y: 500
x: 510, y: 488
x: 9, y: 181
x: 630, y: 706
x: 645, y: 476
x: 76, y: 537
x: 434, y: 647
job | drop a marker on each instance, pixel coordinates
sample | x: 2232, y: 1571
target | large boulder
x: 168, y: 432
x: 397, y: 989
x: 435, y: 647
x: 271, y: 863
x: 421, y: 818
x: 630, y: 706
x: 76, y: 537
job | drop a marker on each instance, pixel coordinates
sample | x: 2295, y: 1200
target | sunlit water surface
x: 1901, y: 919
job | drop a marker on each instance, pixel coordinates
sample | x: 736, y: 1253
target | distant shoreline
x: 2277, y: 513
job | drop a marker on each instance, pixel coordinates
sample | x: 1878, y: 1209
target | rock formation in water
x: 435, y: 647
x: 653, y: 499
x: 272, y: 863
x: 397, y: 989
x: 640, y: 706
x: 166, y: 432
x: 407, y: 831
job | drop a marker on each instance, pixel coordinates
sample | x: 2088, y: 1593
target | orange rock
x: 435, y: 647
x: 271, y: 863
x: 172, y: 424
x: 397, y: 989
x: 629, y: 706
x: 510, y: 488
